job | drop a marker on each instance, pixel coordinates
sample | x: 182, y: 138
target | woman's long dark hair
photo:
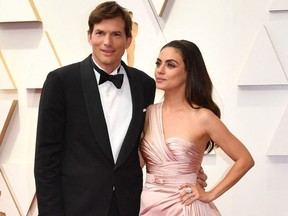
x: 199, y: 86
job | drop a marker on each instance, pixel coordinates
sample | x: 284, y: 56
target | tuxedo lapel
x: 136, y: 120
x: 94, y: 107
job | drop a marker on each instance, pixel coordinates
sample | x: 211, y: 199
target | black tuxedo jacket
x: 74, y: 169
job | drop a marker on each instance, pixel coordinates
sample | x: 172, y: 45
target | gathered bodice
x: 171, y: 156
x: 182, y: 157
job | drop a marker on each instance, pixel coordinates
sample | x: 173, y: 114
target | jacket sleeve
x: 49, y: 144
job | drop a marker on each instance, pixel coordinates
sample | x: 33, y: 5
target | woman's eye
x: 157, y: 64
x: 171, y: 66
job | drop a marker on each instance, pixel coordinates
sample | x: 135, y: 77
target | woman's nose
x: 159, y: 69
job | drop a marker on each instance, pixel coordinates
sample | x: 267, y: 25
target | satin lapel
x: 131, y: 136
x: 94, y: 107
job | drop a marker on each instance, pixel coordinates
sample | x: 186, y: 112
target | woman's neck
x: 174, y: 102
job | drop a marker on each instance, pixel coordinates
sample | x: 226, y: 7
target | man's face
x: 109, y: 42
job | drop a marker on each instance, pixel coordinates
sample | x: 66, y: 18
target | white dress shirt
x: 117, y: 107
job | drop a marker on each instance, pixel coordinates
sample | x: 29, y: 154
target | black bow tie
x: 116, y: 79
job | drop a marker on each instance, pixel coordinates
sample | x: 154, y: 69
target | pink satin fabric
x: 169, y: 163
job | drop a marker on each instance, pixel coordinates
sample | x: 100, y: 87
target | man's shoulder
x: 65, y: 73
x: 141, y: 74
x: 67, y: 68
x: 72, y: 67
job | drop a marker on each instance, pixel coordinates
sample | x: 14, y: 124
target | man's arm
x: 49, y: 141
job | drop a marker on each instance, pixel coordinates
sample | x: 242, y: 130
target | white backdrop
x: 244, y: 44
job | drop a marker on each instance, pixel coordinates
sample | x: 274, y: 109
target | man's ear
x: 128, y: 41
x: 89, y: 35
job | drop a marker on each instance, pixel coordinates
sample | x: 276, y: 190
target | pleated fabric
x: 170, y: 162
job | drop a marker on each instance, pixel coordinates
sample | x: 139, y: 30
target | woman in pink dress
x: 177, y: 133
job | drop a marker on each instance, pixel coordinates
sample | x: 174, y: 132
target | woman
x: 177, y: 133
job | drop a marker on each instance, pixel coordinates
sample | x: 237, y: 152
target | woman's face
x: 170, y: 73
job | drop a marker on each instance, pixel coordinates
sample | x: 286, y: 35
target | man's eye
x: 99, y: 33
x: 117, y: 34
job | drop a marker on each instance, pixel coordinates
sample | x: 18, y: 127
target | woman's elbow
x: 249, y: 162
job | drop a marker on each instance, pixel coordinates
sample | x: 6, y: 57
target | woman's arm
x: 233, y: 147
x: 243, y: 161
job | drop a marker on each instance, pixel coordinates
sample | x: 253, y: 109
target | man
x: 88, y: 132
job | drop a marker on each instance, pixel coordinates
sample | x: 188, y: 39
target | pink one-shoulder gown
x: 169, y: 163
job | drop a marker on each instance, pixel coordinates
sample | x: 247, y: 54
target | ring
x: 188, y: 190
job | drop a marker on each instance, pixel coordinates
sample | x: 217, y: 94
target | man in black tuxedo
x: 89, y: 126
